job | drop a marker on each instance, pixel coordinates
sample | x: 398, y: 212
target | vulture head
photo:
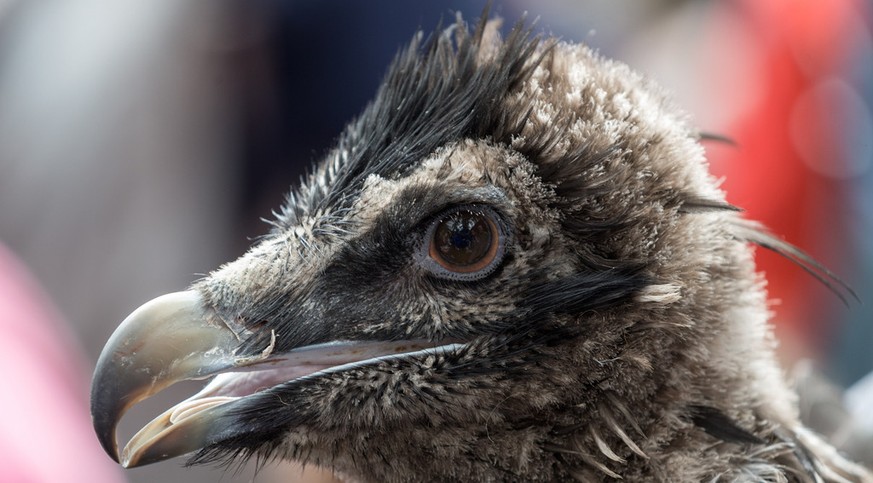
x: 513, y: 265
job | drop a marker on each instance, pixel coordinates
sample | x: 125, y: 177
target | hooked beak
x: 169, y: 339
x: 176, y: 337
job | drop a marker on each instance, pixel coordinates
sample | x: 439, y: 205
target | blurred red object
x: 45, y: 426
x: 790, y: 170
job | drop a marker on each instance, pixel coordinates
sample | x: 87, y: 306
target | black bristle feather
x: 753, y: 233
x: 707, y: 136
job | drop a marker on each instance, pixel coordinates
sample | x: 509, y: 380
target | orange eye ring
x: 465, y: 243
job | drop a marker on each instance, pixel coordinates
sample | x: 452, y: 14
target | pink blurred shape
x: 45, y: 425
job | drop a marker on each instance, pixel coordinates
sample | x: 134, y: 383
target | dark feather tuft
x: 718, y: 425
x: 435, y: 92
x: 582, y: 292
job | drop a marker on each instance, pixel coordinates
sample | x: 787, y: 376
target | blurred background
x: 142, y: 141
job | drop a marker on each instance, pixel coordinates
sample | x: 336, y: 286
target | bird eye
x: 465, y: 243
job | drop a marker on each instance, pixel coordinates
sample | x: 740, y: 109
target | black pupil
x: 463, y: 238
